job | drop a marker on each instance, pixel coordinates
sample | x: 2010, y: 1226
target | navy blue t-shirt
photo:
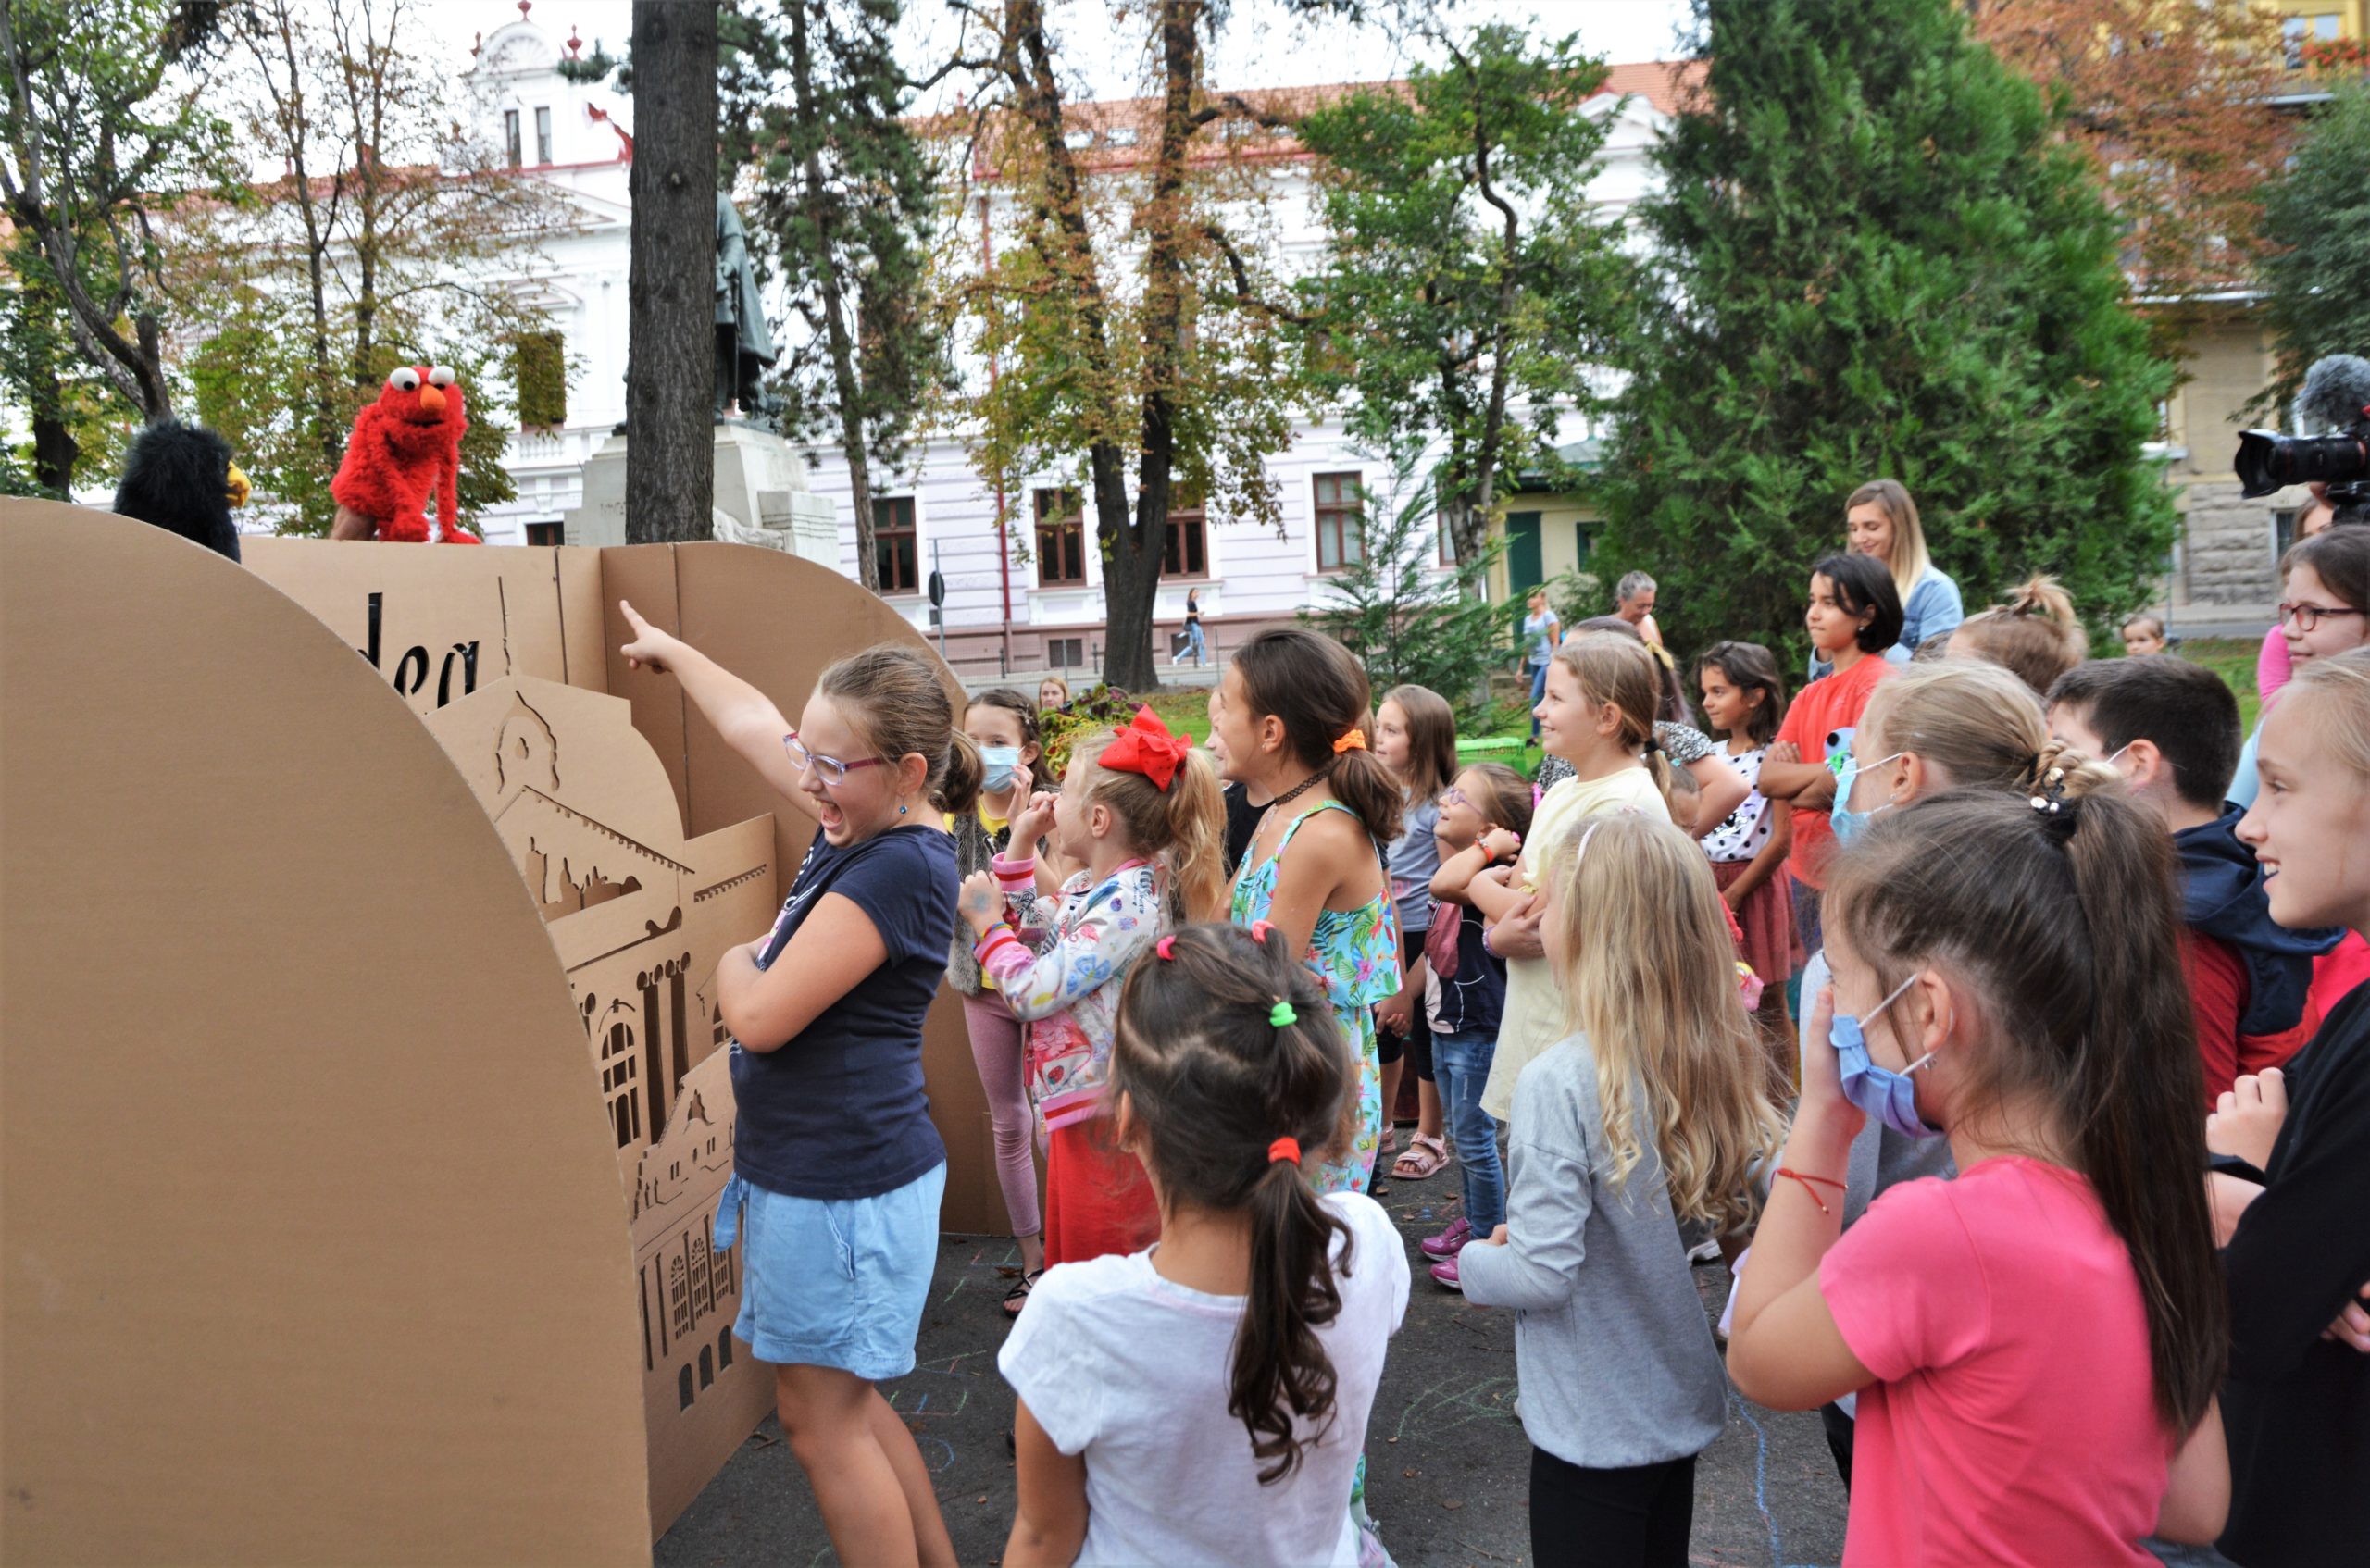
x: 839, y: 1111
x: 1473, y: 1000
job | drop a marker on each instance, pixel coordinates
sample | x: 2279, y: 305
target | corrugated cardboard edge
x: 312, y: 1215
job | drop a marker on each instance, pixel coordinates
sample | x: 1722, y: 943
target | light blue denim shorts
x: 835, y: 1282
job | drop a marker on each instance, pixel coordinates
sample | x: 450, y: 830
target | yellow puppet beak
x: 235, y: 486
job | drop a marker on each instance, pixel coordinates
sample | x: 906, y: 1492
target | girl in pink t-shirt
x: 2037, y: 1344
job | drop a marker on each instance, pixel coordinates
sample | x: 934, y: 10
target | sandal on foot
x: 1425, y: 1156
x: 1017, y: 1296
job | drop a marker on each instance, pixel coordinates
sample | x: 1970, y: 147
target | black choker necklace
x: 1300, y: 789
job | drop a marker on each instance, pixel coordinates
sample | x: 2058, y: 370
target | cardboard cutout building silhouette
x: 247, y: 857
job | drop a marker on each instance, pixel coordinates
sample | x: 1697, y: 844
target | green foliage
x: 1407, y: 623
x: 845, y: 209
x: 539, y: 373
x: 76, y: 418
x: 105, y: 123
x: 2316, y: 279
x: 1442, y: 317
x: 1875, y: 258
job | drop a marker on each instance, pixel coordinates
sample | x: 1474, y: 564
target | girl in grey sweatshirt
x: 1654, y: 1113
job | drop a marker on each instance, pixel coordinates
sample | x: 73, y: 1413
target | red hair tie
x: 1166, y: 947
x: 1259, y: 929
x: 1145, y: 746
x: 1284, y: 1149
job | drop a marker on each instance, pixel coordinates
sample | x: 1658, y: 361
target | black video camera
x: 2337, y: 393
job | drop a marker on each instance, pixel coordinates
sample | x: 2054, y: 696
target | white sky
x: 1261, y: 46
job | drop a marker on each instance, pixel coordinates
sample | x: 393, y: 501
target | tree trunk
x: 670, y: 342
x: 821, y: 213
x: 54, y: 450
x: 1132, y: 555
x: 1130, y: 576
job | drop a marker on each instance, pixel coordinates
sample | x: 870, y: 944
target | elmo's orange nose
x: 432, y: 400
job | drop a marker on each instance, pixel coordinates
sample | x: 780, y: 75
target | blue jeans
x: 1460, y: 1067
x: 1538, y: 692
x: 1195, y: 645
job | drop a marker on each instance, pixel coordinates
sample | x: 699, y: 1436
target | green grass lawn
x: 2232, y: 658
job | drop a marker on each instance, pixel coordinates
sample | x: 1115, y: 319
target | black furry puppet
x: 180, y: 478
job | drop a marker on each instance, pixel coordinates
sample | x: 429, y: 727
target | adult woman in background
x: 1880, y: 519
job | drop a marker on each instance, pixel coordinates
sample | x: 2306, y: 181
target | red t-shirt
x: 1820, y: 724
x: 2217, y: 995
x: 2013, y: 1419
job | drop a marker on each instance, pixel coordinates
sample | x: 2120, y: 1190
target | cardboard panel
x: 644, y: 575
x: 583, y: 632
x: 311, y: 1204
x: 639, y: 919
x: 776, y: 622
x: 436, y: 624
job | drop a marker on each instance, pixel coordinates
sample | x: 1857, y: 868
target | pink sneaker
x: 1445, y: 1272
x: 1447, y: 1242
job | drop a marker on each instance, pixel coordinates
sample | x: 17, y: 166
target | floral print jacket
x: 1060, y: 974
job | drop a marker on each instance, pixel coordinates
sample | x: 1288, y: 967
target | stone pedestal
x: 761, y: 497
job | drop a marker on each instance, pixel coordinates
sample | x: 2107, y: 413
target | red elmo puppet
x: 406, y: 447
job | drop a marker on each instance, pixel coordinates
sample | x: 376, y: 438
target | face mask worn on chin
x: 1000, y: 762
x: 1848, y: 824
x: 1878, y: 1091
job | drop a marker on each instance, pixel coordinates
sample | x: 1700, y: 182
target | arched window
x: 708, y: 1367
x: 683, y: 1388
x: 723, y: 1348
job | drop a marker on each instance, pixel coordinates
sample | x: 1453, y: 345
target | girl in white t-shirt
x: 1206, y: 1400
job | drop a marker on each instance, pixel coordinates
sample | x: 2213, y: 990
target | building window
x: 1061, y: 539
x: 539, y: 371
x: 1340, y: 521
x: 1187, y: 554
x: 543, y: 533
x: 510, y: 145
x: 1066, y: 652
x: 896, y: 552
x: 543, y: 136
x: 2296, y: 32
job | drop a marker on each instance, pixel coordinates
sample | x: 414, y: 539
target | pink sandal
x: 1425, y: 1156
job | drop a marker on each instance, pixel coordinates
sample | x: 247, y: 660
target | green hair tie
x: 1282, y: 1014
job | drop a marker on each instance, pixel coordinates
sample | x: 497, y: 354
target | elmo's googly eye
x: 405, y: 381
x: 442, y: 376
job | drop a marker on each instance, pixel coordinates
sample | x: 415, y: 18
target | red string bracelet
x: 1823, y: 1181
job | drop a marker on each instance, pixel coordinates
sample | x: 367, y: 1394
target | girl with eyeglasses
x: 2324, y: 611
x: 837, y: 1171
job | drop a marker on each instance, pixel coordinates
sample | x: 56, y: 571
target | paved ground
x: 1448, y: 1464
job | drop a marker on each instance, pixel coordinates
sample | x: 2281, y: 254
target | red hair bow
x: 1145, y: 746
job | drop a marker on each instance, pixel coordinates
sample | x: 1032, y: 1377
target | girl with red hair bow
x: 1139, y: 809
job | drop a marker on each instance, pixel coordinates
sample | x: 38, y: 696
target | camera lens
x: 2269, y: 461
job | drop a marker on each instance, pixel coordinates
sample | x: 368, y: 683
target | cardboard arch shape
x: 312, y: 1209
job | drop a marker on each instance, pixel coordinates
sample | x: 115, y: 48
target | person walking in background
x: 1880, y: 519
x: 1633, y: 601
x: 1540, y: 633
x: 1193, y: 643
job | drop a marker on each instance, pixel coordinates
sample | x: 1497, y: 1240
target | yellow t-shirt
x: 1534, y: 1015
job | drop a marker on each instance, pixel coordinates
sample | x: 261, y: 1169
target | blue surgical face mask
x: 999, y: 761
x: 1849, y: 824
x: 1878, y: 1090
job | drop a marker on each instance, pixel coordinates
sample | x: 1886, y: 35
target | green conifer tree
x: 1875, y: 259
